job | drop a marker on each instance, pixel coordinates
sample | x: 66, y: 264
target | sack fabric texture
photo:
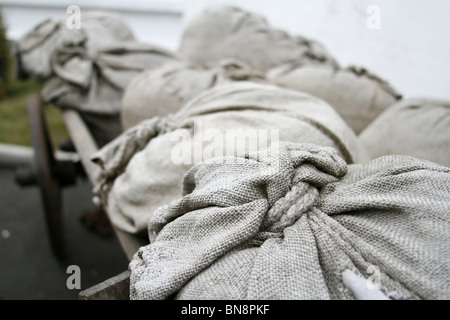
x: 88, y: 68
x: 289, y: 222
x: 143, y: 168
x: 162, y: 91
x: 358, y: 95
x: 416, y: 127
x: 229, y: 32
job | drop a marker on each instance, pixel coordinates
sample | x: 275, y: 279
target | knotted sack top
x: 87, y: 68
x: 291, y: 221
x: 138, y: 169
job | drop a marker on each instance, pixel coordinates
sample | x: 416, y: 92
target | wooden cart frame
x: 52, y: 174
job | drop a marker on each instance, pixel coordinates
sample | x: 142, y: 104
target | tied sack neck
x: 228, y: 202
x: 114, y: 157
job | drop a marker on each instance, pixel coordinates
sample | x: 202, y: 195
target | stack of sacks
x: 220, y: 45
x: 289, y: 61
x: 143, y: 168
x: 87, y: 69
x: 230, y: 32
x: 161, y: 91
x: 296, y: 222
x: 416, y: 127
x: 357, y: 95
x: 308, y: 217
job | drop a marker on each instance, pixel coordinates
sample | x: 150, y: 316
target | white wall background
x: 411, y: 50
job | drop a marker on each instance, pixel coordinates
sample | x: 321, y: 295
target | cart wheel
x: 46, y: 170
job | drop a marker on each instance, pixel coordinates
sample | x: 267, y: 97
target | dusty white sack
x: 229, y: 32
x: 416, y: 127
x: 358, y: 95
x: 87, y: 69
x: 143, y: 168
x: 164, y: 90
x: 243, y: 230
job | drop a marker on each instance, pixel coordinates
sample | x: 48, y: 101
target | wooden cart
x: 51, y: 174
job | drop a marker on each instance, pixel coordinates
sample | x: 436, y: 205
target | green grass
x: 14, y: 120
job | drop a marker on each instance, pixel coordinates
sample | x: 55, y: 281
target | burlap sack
x: 416, y: 127
x: 229, y: 32
x: 87, y: 69
x: 35, y: 47
x: 297, y: 222
x: 357, y: 95
x: 143, y: 168
x: 161, y: 91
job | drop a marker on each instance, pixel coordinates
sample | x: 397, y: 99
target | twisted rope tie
x: 114, y: 157
x: 288, y: 209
